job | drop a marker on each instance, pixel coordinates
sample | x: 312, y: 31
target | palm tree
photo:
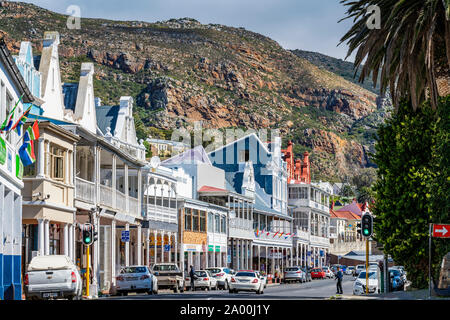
x: 411, y: 49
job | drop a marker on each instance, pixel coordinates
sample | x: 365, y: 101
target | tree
x: 365, y: 194
x: 408, y: 187
x: 347, y: 191
x: 413, y: 41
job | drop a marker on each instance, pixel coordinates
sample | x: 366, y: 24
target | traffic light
x: 87, y: 234
x: 367, y: 225
x: 95, y: 238
x: 358, y: 227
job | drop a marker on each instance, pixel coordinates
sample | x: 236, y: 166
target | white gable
x: 51, y: 77
x: 84, y: 113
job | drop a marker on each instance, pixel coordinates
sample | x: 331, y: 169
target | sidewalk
x: 397, y: 295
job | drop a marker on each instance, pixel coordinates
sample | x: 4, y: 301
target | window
x: 202, y: 221
x: 217, y: 219
x: 2, y: 103
x: 303, y: 193
x: 195, y: 216
x: 56, y: 163
x: 9, y: 107
x: 188, y: 219
x: 244, y: 155
x: 210, y: 222
x: 223, y: 225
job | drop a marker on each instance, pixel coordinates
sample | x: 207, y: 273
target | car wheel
x: 230, y: 291
x: 176, y: 289
x: 125, y: 293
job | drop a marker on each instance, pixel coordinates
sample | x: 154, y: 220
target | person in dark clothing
x: 339, y: 276
x: 192, y: 276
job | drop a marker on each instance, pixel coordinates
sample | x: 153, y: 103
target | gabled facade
x: 53, y: 106
x: 260, y: 227
x: 12, y: 87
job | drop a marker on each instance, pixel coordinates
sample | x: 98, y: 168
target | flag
x: 26, y: 153
x: 280, y: 234
x: 7, y: 124
x: 23, y: 118
x: 276, y: 234
x: 32, y: 132
x: 257, y: 231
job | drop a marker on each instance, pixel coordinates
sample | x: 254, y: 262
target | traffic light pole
x: 87, y: 271
x: 367, y: 265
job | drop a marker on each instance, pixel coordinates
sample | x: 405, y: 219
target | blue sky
x: 295, y: 24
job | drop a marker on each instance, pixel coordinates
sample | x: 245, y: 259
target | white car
x: 203, y: 280
x: 246, y: 280
x: 222, y: 275
x: 328, y: 273
x: 359, y: 286
x: 136, y: 279
x: 263, y: 278
x: 350, y: 270
x: 294, y: 274
x: 359, y: 268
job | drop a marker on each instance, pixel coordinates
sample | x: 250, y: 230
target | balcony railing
x: 106, y: 196
x: 161, y: 213
x: 133, y: 204
x: 240, y: 223
x: 121, y: 201
x: 85, y: 190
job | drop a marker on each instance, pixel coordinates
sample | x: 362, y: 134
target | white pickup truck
x: 54, y: 276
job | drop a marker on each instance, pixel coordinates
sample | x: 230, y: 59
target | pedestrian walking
x: 192, y: 276
x: 339, y: 276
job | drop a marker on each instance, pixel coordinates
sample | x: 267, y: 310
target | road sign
x: 125, y: 236
x: 441, y: 230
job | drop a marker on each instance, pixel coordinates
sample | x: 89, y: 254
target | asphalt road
x: 316, y: 289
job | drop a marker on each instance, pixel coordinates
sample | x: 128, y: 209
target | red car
x: 317, y: 273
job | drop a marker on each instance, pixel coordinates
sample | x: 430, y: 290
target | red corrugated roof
x: 344, y: 215
x: 209, y: 188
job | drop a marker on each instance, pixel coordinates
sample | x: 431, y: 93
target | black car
x: 307, y: 271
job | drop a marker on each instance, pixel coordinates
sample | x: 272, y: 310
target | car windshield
x: 360, y: 267
x: 134, y: 270
x: 316, y: 270
x: 165, y: 267
x: 214, y: 270
x: 291, y: 269
x: 351, y: 267
x: 245, y: 274
x: 201, y: 273
x: 372, y: 275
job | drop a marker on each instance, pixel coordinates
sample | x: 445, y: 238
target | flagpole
x: 23, y: 135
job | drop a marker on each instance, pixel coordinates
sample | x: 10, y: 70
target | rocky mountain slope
x: 181, y: 71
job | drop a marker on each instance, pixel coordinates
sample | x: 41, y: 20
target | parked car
x: 246, y: 280
x: 328, y: 273
x: 169, y: 276
x: 317, y: 273
x: 203, y: 280
x: 294, y: 274
x: 359, y: 286
x: 350, y: 270
x: 222, y: 275
x: 263, y: 278
x: 136, y: 279
x: 395, y: 280
x: 54, y: 276
x: 307, y: 272
x: 358, y: 269
x: 402, y: 272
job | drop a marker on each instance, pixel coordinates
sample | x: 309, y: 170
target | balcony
x: 303, y: 234
x: 320, y: 240
x: 273, y: 238
x: 161, y: 213
x: 85, y: 191
x: 240, y: 223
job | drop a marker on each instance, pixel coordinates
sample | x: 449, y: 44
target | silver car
x: 294, y: 274
x: 136, y: 279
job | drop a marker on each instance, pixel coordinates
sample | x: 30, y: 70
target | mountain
x: 338, y: 66
x: 181, y: 71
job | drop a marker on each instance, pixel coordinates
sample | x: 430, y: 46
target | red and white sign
x: 441, y: 230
